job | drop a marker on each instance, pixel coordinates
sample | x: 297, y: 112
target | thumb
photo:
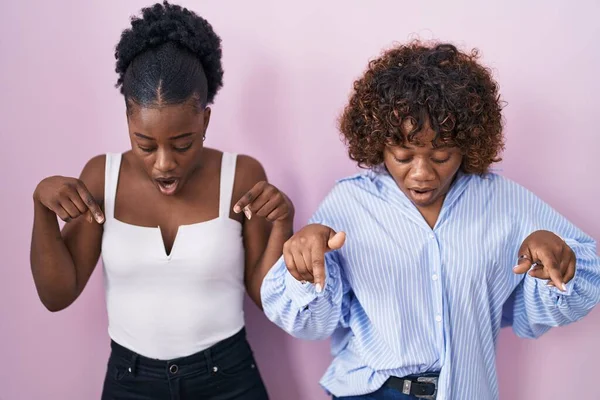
x: 524, y: 263
x: 336, y: 240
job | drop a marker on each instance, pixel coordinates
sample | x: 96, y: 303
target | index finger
x: 553, y: 267
x: 249, y: 197
x: 317, y: 255
x: 91, y: 204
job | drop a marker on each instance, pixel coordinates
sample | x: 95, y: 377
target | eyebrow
x: 440, y: 147
x: 183, y: 135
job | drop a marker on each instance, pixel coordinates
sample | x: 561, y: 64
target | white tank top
x: 167, y: 306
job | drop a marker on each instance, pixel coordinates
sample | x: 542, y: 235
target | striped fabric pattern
x: 401, y: 298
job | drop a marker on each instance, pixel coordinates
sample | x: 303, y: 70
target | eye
x: 402, y: 160
x: 146, y: 149
x: 183, y: 148
x: 440, y: 161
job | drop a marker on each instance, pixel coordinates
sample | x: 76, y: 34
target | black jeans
x: 226, y: 371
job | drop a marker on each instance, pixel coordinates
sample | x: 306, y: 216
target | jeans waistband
x: 199, y: 357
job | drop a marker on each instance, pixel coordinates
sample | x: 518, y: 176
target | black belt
x: 423, y: 387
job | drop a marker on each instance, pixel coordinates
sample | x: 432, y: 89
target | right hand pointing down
x: 68, y: 198
x: 304, y: 253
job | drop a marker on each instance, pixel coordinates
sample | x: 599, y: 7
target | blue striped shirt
x: 401, y: 298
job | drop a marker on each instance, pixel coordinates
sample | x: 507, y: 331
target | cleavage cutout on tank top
x: 228, y: 165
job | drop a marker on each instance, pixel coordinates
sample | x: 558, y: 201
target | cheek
x: 144, y: 160
x: 398, y: 171
x: 448, y: 173
x: 191, y: 159
x: 147, y: 161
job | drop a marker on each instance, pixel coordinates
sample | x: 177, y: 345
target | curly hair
x: 167, y: 56
x: 416, y: 85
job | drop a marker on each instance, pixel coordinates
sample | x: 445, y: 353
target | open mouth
x: 167, y: 186
x: 421, y: 194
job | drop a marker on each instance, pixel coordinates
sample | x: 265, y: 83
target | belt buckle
x: 428, y: 379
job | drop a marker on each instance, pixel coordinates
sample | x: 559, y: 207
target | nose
x: 422, y: 170
x: 165, y: 162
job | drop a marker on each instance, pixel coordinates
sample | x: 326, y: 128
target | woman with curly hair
x: 415, y: 295
x: 166, y: 216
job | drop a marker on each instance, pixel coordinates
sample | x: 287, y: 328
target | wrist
x: 40, y: 209
x: 286, y: 224
x: 36, y: 196
x: 37, y: 203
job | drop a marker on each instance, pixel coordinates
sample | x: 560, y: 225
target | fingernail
x: 237, y: 209
x: 99, y: 218
x: 248, y: 212
x: 318, y: 288
x: 564, y: 287
x: 515, y: 267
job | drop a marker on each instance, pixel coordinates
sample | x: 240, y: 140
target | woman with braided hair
x: 167, y: 218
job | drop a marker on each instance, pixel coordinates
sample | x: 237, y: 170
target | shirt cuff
x: 302, y: 294
x: 569, y: 286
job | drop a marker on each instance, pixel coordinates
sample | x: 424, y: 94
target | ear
x: 206, y: 112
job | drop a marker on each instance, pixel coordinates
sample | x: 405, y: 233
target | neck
x: 431, y: 212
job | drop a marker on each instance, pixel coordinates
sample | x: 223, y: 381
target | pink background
x: 289, y: 68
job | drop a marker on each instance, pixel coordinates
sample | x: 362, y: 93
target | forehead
x: 165, y: 120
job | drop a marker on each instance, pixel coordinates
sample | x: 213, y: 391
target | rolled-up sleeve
x: 296, y: 307
x: 537, y: 307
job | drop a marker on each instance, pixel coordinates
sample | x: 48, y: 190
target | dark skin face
x: 168, y: 142
x: 424, y: 172
x: 167, y: 180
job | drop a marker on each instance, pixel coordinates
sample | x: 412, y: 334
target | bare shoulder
x: 92, y: 176
x: 248, y: 172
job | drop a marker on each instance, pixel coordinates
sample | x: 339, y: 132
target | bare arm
x: 62, y: 262
x: 270, y: 225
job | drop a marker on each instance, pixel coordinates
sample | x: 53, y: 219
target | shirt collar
x: 388, y: 190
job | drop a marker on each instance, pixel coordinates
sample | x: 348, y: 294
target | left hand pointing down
x: 550, y: 257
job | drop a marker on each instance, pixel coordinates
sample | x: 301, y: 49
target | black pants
x: 226, y: 371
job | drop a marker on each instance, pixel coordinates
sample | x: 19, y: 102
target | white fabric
x: 167, y: 306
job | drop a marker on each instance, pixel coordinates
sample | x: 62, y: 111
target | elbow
x: 254, y: 294
x: 524, y: 330
x: 58, y: 295
x: 54, y: 303
x: 54, y: 306
x: 527, y: 334
x: 257, y: 301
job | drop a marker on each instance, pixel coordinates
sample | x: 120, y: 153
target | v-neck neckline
x: 180, y: 228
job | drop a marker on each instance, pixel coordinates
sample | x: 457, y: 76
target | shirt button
x: 432, y: 236
x: 434, y: 277
x: 438, y: 318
